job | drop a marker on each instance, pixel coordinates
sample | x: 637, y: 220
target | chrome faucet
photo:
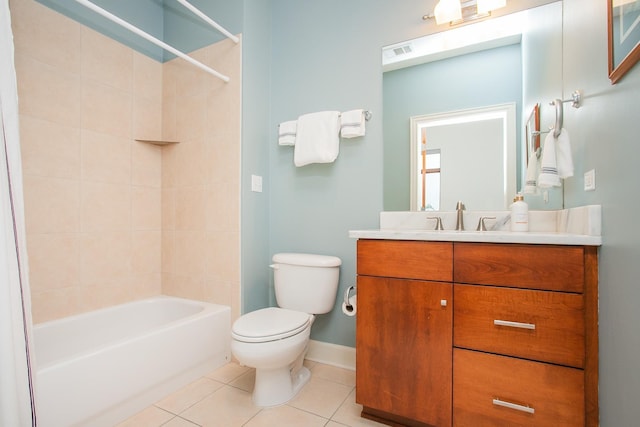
x: 460, y: 218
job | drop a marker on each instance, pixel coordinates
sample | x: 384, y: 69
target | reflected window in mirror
x: 429, y: 180
x: 464, y: 155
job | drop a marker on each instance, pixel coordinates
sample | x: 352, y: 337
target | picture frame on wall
x: 624, y: 36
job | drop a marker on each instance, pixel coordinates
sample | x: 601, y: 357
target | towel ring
x: 576, y: 102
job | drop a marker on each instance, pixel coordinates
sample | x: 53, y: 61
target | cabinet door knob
x: 443, y: 302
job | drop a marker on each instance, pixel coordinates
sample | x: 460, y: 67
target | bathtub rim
x: 207, y: 308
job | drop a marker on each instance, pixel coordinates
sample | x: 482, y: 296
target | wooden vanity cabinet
x: 525, y: 335
x: 404, y: 333
x: 515, y: 344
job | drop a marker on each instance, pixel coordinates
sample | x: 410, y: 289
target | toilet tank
x: 306, y: 282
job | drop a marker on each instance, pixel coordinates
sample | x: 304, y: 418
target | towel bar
x: 576, y: 102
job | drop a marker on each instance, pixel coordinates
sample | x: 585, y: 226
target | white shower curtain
x: 17, y: 403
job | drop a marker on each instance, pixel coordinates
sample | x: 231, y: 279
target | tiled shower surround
x: 110, y: 219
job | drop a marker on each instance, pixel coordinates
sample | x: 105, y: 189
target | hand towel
x: 352, y: 124
x: 531, y: 184
x: 548, y: 167
x: 287, y: 132
x: 317, y: 138
x: 563, y: 151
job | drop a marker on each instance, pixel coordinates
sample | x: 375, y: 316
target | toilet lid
x: 269, y: 324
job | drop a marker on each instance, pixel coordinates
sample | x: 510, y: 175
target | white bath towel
x: 287, y: 132
x: 352, y: 124
x: 531, y: 184
x: 548, y: 167
x: 563, y: 154
x: 317, y: 138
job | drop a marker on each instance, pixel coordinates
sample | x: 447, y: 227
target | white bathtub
x: 99, y: 368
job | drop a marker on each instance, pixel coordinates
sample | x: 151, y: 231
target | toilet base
x: 277, y: 386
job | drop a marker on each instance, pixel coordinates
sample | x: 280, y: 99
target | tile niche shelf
x: 157, y: 142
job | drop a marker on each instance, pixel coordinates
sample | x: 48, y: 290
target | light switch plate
x: 256, y: 183
x: 590, y: 180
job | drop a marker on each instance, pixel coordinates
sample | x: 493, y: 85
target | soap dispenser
x: 519, y: 214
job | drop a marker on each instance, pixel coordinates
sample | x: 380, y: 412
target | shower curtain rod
x: 152, y: 39
x: 208, y: 20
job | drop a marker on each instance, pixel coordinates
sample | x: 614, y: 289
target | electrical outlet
x: 590, y: 180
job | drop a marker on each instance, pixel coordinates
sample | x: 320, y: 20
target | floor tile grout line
x: 342, y: 403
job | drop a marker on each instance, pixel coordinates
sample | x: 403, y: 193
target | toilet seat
x: 269, y: 324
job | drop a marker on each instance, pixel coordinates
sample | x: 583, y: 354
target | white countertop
x: 576, y: 226
x: 534, y: 237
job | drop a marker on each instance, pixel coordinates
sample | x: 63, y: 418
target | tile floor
x: 223, y: 399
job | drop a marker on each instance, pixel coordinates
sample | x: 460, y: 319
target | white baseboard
x: 332, y: 354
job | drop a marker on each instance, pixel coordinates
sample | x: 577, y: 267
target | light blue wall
x: 257, y: 137
x: 324, y: 58
x: 436, y: 87
x: 327, y: 55
x: 605, y: 136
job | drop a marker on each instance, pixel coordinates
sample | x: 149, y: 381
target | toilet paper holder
x: 347, y: 295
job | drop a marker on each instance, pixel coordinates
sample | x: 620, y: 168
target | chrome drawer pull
x: 514, y: 324
x: 515, y: 406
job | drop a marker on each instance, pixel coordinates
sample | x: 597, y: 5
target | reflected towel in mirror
x: 548, y: 166
x: 531, y: 184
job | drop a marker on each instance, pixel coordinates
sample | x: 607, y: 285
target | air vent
x: 402, y: 50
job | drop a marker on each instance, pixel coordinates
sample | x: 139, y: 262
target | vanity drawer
x: 547, y: 267
x: 538, y: 325
x: 406, y: 259
x: 491, y: 390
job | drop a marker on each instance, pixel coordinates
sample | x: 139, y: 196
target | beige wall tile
x: 145, y: 285
x: 147, y: 78
x: 146, y: 165
x: 218, y: 292
x: 146, y: 252
x: 223, y: 207
x: 106, y: 110
x: 49, y: 149
x: 105, y: 258
x: 147, y: 118
x: 106, y: 61
x: 191, y: 116
x: 112, y: 203
x: 105, y: 207
x: 190, y: 209
x: 169, y: 120
x: 52, y: 205
x: 223, y: 256
x: 168, y: 209
x: 105, y: 158
x: 105, y: 295
x: 190, y: 163
x: 190, y: 254
x: 146, y: 208
x: 48, y: 93
x: 45, y: 35
x: 53, y: 261
x: 54, y: 304
x: 168, y: 252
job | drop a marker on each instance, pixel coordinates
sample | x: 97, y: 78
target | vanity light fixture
x: 454, y: 12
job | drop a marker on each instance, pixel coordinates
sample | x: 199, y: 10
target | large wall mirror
x: 520, y: 67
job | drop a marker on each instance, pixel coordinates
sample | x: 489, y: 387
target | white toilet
x: 274, y: 340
